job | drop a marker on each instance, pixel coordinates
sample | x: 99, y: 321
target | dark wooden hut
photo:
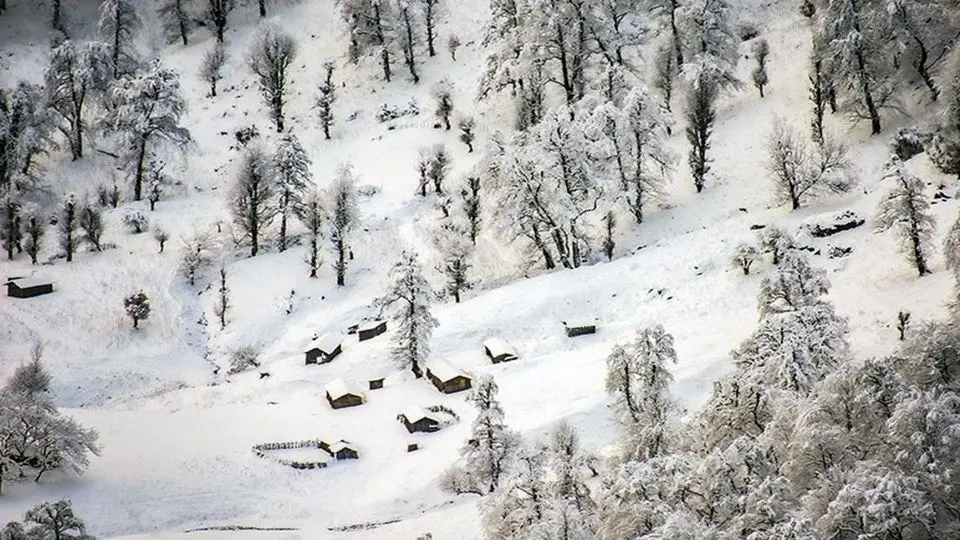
x: 579, y: 328
x: 343, y: 450
x: 447, y: 379
x: 28, y: 287
x: 499, y: 350
x: 325, y: 349
x: 340, y: 395
x: 370, y: 330
x: 416, y: 420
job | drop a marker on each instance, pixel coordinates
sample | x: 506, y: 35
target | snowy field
x: 177, y: 437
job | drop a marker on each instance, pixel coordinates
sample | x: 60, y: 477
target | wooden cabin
x: 343, y: 450
x: 326, y: 348
x: 371, y: 329
x: 447, y: 379
x: 376, y: 384
x: 28, y: 287
x: 499, y: 350
x: 579, y: 328
x: 417, y: 420
x: 340, y: 395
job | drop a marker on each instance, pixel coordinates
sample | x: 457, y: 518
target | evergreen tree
x: 343, y: 216
x: 326, y: 96
x: 292, y: 168
x: 67, y: 224
x: 118, y: 27
x: 313, y: 217
x: 701, y: 116
x: 906, y: 209
x: 453, y: 243
x: 34, y: 229
x: 487, y: 456
x: 409, y: 295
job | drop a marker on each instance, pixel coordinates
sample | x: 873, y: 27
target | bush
x: 135, y: 221
x: 243, y: 358
x: 908, y: 142
x: 391, y: 112
x: 247, y: 134
x: 807, y: 8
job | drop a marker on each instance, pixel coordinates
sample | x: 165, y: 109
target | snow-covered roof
x: 415, y: 414
x: 579, y: 323
x: 327, y: 343
x: 340, y: 445
x: 369, y: 325
x: 444, y: 371
x: 338, y: 388
x: 499, y: 347
x: 32, y: 281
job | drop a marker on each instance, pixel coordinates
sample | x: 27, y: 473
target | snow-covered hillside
x: 176, y: 430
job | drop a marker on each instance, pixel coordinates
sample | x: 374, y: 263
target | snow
x: 176, y: 437
x: 443, y: 371
x: 328, y: 343
x: 369, y: 325
x: 338, y: 388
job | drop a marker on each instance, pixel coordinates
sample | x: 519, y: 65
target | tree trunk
x: 677, y: 44
x: 136, y: 322
x: 547, y: 256
x: 182, y: 22
x: 138, y: 175
x: 213, y: 88
x: 429, y: 20
x: 283, y: 231
x: 341, y: 262
x: 57, y: 21
x: 921, y: 65
x: 263, y: 8
x: 564, y: 66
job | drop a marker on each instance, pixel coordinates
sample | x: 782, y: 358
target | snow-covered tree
x: 177, y: 21
x: 75, y: 76
x: 817, y: 90
x: 802, y: 174
x: 796, y: 284
x: 443, y: 94
x: 470, y: 206
x: 466, y: 125
x: 90, y: 221
x: 944, y: 149
x: 137, y: 306
x: 211, y: 66
x: 431, y: 12
x: 161, y: 236
x: 32, y: 378
x: 11, y: 222
x: 707, y: 33
x: 924, y: 32
x: 776, y: 241
x: 291, y: 165
x: 906, y: 209
x: 54, y: 521
x: 859, y: 49
x: 326, y: 96
x: 67, y: 224
x: 642, y: 154
x: 453, y: 44
x: 222, y: 306
x: 518, y: 506
x: 744, y: 255
x: 569, y: 504
x: 408, y: 23
x: 486, y: 458
x: 146, y: 113
x: 452, y: 240
x: 253, y: 200
x: 951, y: 248
x: 761, y: 51
x: 270, y: 57
x: 34, y: 228
x: 701, y: 116
x: 371, y: 27
x: 341, y: 211
x: 194, y: 256
x: 120, y: 21
x: 25, y: 132
x: 409, y: 297
x: 439, y: 165
x: 665, y: 71
x: 638, y: 379
x: 313, y: 217
x: 217, y: 15
x: 135, y: 221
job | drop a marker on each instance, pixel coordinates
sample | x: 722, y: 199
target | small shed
x: 28, y: 287
x: 326, y: 348
x: 446, y: 378
x: 343, y: 450
x: 376, y: 384
x: 499, y: 350
x: 340, y: 395
x: 417, y: 420
x: 371, y: 329
x: 579, y: 328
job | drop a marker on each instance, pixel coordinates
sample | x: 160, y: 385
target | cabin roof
x: 579, y: 323
x: 369, y: 325
x: 415, y: 414
x: 444, y: 371
x: 328, y: 342
x: 338, y: 388
x: 499, y: 347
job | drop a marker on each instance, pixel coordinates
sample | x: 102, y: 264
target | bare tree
x: 761, y: 51
x: 906, y: 209
x: 217, y: 13
x: 801, y: 174
x: 223, y: 298
x: 270, y: 58
x: 442, y: 93
x: 465, y: 125
x: 119, y: 23
x: 67, y: 225
x: 33, y: 231
x: 313, y: 216
x: 453, y: 43
x: 430, y: 9
x: 211, y: 67
x: 90, y: 221
x: 470, y: 203
x: 176, y: 20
